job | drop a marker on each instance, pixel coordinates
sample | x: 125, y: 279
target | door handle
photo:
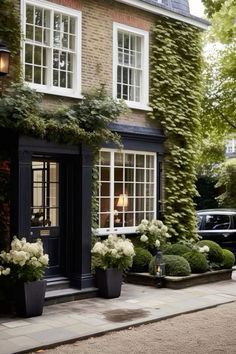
x: 226, y: 235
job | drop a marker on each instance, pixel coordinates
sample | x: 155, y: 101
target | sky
x: 196, y: 8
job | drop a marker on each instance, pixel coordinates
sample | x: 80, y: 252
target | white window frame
x: 75, y: 91
x: 144, y: 95
x: 127, y: 229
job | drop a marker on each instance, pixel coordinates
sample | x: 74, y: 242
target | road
x: 209, y: 331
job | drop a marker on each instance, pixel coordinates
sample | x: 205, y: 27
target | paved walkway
x: 66, y: 322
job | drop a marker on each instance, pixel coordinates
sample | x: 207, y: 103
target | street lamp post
x: 4, y: 60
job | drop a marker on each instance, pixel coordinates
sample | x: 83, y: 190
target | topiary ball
x: 174, y: 266
x: 215, y: 254
x: 177, y: 248
x: 197, y: 261
x: 229, y: 259
x: 141, y: 260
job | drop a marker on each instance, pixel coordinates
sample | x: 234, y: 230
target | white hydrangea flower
x: 141, y: 228
x: 145, y: 222
x: 44, y: 259
x: 143, y: 238
x: 157, y: 243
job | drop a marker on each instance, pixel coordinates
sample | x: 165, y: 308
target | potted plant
x: 23, y: 266
x: 110, y: 258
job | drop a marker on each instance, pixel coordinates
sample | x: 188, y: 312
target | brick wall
x: 97, y: 33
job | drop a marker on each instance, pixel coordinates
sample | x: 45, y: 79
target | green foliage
x: 141, y: 260
x: 10, y: 34
x: 215, y: 254
x: 177, y: 249
x: 227, y: 183
x: 175, y: 99
x: 207, y: 192
x: 197, y: 261
x: 218, y: 108
x: 212, y: 6
x: 174, y: 265
x: 229, y: 259
x: 87, y: 121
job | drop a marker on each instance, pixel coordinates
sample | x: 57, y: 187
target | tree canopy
x: 219, y: 103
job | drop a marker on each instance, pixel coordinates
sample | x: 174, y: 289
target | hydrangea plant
x: 113, y: 252
x: 25, y: 262
x: 154, y: 233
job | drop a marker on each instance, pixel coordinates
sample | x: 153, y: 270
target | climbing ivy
x: 86, y: 121
x: 10, y: 35
x: 175, y: 99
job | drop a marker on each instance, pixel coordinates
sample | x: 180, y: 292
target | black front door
x: 45, y: 222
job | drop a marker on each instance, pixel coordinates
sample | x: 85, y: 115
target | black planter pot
x: 109, y: 282
x: 29, y: 298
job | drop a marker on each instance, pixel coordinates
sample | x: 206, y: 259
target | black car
x: 218, y: 225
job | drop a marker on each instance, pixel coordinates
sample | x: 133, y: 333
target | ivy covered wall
x: 10, y: 35
x: 175, y: 99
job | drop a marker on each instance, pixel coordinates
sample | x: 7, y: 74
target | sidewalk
x: 69, y: 321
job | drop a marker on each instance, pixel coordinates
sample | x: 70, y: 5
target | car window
x: 217, y: 222
x: 199, y: 220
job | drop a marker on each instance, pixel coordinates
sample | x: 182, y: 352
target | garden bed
x: 179, y: 282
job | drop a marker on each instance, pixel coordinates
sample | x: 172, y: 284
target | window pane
x: 105, y: 189
x: 105, y: 174
x: 139, y: 160
x: 105, y: 204
x: 28, y: 53
x: 118, y: 174
x: 129, y: 160
x: 118, y: 188
x: 140, y: 175
x: 28, y: 73
x: 119, y: 159
x: 29, y: 14
x: 105, y: 158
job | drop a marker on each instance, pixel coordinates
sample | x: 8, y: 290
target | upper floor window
x: 131, y: 65
x: 51, y: 48
x: 231, y: 146
x: 127, y: 189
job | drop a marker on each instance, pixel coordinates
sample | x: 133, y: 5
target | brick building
x: 69, y: 47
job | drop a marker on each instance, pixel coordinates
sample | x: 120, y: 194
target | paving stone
x: 15, y: 324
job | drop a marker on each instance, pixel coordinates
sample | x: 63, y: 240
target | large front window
x: 131, y: 65
x: 127, y: 189
x: 51, y: 48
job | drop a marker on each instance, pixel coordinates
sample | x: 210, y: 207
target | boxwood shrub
x: 197, y: 261
x: 229, y: 259
x: 141, y: 260
x: 176, y: 248
x: 175, y: 266
x: 215, y: 254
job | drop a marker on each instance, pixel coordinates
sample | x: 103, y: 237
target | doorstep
x: 179, y: 282
x: 59, y: 290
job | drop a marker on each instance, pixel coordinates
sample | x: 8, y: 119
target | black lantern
x: 160, y: 268
x: 4, y: 60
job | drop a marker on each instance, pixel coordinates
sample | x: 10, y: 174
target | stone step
x: 57, y: 283
x: 68, y: 294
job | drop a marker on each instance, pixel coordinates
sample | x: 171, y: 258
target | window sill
x: 55, y: 92
x: 116, y: 230
x: 138, y: 106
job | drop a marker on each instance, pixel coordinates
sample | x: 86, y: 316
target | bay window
x: 127, y: 189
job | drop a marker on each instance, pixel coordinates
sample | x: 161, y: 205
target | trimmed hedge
x: 141, y: 260
x: 229, y: 259
x: 177, y: 249
x: 174, y: 265
x: 197, y: 261
x: 215, y: 254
